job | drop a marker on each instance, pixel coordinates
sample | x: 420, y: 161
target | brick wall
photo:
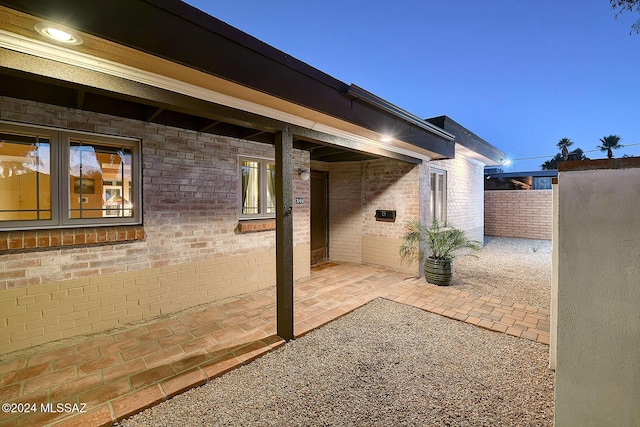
x: 518, y: 213
x: 345, y: 211
x: 465, y: 194
x: 192, y: 252
x: 356, y: 191
x: 391, y: 185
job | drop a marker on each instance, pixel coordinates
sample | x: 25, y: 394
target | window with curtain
x: 438, y: 204
x: 257, y: 184
x: 53, y: 178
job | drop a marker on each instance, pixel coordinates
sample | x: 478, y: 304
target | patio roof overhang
x: 163, y: 61
x: 203, y: 75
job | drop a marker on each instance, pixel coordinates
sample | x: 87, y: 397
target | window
x: 51, y: 178
x: 542, y: 183
x: 258, y: 193
x: 439, y: 195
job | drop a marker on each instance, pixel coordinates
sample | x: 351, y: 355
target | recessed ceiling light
x: 386, y: 138
x: 58, y: 33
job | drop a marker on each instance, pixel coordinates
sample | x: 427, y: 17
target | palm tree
x: 609, y: 143
x: 552, y: 164
x: 564, y: 145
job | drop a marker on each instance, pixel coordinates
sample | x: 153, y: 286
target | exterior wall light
x: 58, y: 33
x: 304, y: 174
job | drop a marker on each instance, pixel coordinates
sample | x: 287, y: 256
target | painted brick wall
x: 465, y: 194
x: 393, y: 185
x: 519, y: 213
x: 345, y: 211
x: 356, y: 191
x: 192, y: 252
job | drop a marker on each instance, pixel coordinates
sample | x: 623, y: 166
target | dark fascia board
x: 468, y: 139
x: 370, y: 98
x: 178, y: 32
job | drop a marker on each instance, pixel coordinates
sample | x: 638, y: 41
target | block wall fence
x: 524, y: 214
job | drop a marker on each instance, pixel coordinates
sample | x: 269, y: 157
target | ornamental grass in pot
x: 438, y: 244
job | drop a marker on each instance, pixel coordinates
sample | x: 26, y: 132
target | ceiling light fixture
x: 58, y: 33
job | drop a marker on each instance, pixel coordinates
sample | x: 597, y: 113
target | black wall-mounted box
x: 385, y: 215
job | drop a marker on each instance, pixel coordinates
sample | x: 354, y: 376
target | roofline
x: 254, y: 64
x: 368, y: 97
x: 491, y: 154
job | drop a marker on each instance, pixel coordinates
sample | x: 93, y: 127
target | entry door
x: 319, y: 216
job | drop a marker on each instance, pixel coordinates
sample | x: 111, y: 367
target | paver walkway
x: 110, y: 377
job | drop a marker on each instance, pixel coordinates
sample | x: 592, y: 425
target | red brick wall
x: 518, y: 213
x: 190, y: 190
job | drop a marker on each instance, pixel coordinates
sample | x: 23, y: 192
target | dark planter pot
x: 438, y: 271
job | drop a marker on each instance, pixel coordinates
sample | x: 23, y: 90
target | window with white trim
x: 439, y: 196
x: 257, y: 188
x: 51, y: 178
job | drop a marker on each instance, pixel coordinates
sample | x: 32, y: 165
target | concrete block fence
x: 518, y: 213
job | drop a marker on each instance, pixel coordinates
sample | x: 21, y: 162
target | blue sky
x: 521, y: 74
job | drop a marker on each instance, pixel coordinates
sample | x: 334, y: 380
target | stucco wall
x: 518, y: 213
x: 598, y: 299
x: 553, y: 331
x: 192, y: 253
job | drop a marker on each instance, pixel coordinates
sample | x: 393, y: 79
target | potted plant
x: 438, y: 244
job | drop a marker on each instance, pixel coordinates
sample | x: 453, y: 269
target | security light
x: 304, y: 174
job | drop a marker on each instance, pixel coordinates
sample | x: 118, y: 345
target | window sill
x: 254, y: 225
x: 32, y: 240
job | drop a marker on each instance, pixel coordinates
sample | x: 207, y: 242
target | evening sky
x: 521, y: 74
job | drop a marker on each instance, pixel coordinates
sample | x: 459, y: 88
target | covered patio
x: 126, y: 371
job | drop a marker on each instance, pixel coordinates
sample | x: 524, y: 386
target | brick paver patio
x: 109, y: 377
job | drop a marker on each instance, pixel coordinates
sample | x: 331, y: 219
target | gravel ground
x: 387, y: 364
x: 516, y: 270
